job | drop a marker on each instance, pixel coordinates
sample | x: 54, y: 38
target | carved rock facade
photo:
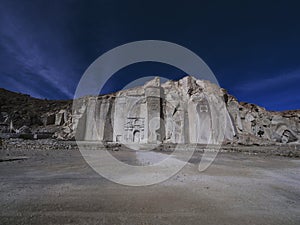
x: 184, y: 111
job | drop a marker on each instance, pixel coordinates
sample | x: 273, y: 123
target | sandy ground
x: 58, y: 187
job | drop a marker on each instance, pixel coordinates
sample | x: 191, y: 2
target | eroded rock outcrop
x: 184, y: 111
x: 261, y: 126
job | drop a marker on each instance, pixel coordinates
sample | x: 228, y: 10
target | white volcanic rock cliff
x: 184, y: 111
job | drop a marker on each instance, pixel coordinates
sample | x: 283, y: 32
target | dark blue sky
x: 253, y: 47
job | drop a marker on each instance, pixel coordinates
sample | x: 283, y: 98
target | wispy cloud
x: 17, y: 85
x: 280, y: 80
x: 276, y: 92
x: 30, y: 52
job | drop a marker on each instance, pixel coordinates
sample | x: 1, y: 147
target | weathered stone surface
x: 24, y: 130
x: 49, y: 119
x: 61, y: 118
x: 184, y: 111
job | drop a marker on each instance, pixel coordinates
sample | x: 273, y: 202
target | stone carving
x: 174, y: 112
x: 134, y: 130
x: 184, y: 111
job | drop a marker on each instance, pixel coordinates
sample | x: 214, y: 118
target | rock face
x: 20, y: 111
x: 184, y: 111
x: 255, y: 124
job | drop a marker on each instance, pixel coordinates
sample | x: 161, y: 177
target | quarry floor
x: 59, y: 187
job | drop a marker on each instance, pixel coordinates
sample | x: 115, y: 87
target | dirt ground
x: 59, y: 187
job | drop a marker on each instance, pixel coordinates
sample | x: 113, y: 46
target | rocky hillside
x: 20, y: 110
x: 256, y: 125
x: 252, y: 124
